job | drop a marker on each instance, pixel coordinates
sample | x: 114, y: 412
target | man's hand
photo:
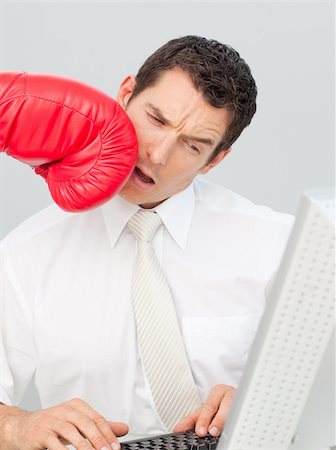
x: 212, y: 415
x: 72, y: 422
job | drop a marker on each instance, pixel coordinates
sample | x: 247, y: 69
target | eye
x: 155, y: 119
x: 193, y: 147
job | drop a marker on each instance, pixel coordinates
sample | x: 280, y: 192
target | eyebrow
x: 160, y: 116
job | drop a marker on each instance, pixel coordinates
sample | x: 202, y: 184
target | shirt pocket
x: 217, y: 348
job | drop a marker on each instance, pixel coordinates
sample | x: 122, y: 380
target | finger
x: 118, y: 428
x: 84, y: 426
x: 52, y: 443
x: 100, y: 422
x: 203, y: 421
x: 69, y: 434
x: 220, y: 418
x: 187, y: 423
x: 210, y: 408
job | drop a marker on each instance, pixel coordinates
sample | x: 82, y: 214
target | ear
x: 215, y: 161
x: 125, y: 90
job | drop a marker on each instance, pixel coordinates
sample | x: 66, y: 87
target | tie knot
x: 144, y: 224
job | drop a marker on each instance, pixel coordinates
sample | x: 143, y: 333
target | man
x: 67, y: 312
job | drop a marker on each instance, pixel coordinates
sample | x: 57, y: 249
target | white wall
x: 288, y: 45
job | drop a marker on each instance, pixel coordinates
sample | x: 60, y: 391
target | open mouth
x: 144, y: 178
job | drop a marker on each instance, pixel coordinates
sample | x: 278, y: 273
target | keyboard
x: 187, y: 440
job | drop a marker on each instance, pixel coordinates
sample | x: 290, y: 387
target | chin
x: 131, y: 197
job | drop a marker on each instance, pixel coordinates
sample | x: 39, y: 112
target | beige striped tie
x: 163, y: 354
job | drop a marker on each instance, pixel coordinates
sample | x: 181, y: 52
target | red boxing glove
x: 79, y: 139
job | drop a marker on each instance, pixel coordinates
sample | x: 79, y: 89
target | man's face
x: 177, y: 132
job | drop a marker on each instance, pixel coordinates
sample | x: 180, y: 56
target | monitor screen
x: 290, y: 369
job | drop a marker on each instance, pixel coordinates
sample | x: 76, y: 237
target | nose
x: 160, y: 149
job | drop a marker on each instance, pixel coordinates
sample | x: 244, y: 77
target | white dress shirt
x: 66, y: 313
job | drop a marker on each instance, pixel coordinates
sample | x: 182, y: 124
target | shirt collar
x: 116, y: 213
x: 176, y: 213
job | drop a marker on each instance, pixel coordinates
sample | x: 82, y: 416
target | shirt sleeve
x: 18, y: 353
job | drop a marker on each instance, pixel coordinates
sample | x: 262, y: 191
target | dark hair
x: 216, y: 70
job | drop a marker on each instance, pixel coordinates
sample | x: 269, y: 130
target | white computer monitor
x: 286, y: 396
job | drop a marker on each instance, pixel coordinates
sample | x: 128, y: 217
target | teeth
x: 144, y: 177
